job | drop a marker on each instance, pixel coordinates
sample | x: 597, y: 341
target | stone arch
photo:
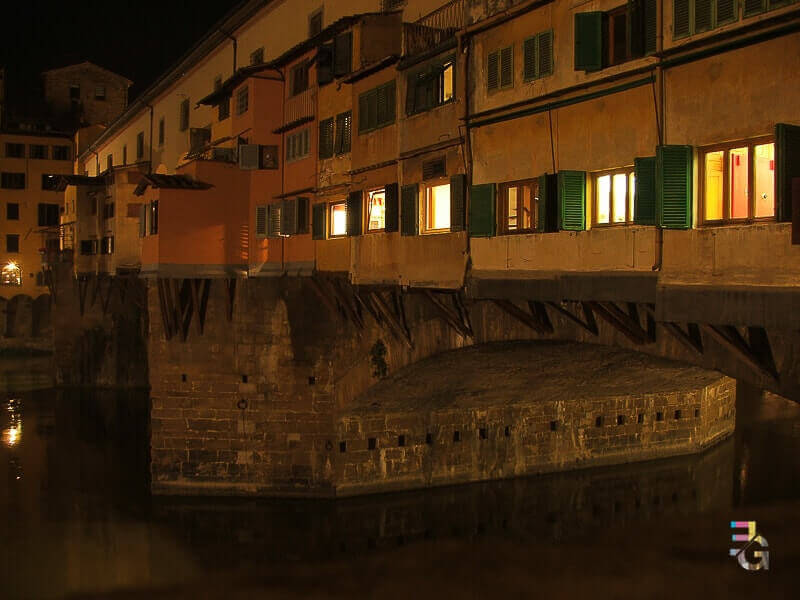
x: 19, y: 317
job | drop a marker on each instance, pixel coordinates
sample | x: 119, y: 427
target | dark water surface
x: 77, y: 520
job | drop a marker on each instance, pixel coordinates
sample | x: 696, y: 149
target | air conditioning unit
x: 249, y: 157
x: 223, y: 154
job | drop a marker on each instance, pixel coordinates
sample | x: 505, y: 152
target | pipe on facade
x: 235, y: 46
x: 658, y: 96
x: 150, y: 161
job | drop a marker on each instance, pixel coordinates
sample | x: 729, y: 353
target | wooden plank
x: 539, y: 311
x: 687, y: 339
x: 589, y: 324
x: 450, y: 316
x: 729, y: 337
x: 400, y: 331
x: 612, y: 315
x: 521, y: 315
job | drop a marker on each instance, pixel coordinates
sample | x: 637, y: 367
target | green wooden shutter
x: 261, y: 221
x: 644, y: 199
x: 302, y: 215
x: 702, y: 15
x: 635, y: 24
x: 482, y: 220
x: 326, y: 138
x: 507, y: 67
x: 325, y: 64
x: 409, y: 213
x: 753, y: 7
x: 458, y: 202
x: 650, y: 25
x: 680, y: 18
x: 354, y: 213
x: 288, y: 217
x: 318, y: 221
x: 572, y: 198
x: 545, y: 51
x: 493, y: 71
x: 674, y: 186
x: 343, y: 53
x: 787, y: 167
x: 727, y: 11
x: 589, y: 41
x: 541, y: 205
x: 529, y: 59
x: 392, y: 214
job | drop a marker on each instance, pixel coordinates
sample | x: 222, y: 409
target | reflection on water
x: 76, y: 505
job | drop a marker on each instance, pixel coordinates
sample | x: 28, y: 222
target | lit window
x: 518, y: 206
x: 614, y: 194
x: 738, y: 181
x: 376, y: 210
x: 437, y: 207
x: 12, y: 274
x: 338, y: 219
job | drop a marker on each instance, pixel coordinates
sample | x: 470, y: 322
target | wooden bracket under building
x: 83, y: 284
x: 390, y: 312
x: 589, y: 323
x: 456, y: 316
x: 200, y: 291
x: 230, y: 297
x: 690, y: 338
x: 755, y: 351
x: 629, y: 324
x: 533, y: 319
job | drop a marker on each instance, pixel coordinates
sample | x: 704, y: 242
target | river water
x: 78, y: 520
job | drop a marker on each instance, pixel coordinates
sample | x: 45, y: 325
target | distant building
x: 84, y: 94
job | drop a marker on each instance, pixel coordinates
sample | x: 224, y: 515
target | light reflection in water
x: 13, y: 433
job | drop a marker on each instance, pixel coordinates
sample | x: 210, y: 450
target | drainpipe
x: 658, y: 97
x: 467, y: 138
x: 235, y: 46
x: 150, y: 162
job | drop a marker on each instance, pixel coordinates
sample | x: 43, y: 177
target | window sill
x: 735, y: 222
x: 431, y: 109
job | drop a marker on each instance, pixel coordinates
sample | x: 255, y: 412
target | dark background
x: 138, y: 40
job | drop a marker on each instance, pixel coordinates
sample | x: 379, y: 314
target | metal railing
x: 301, y: 107
x: 434, y: 28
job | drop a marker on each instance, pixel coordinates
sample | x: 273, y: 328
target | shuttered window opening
x: 697, y: 16
x: 392, y: 208
x: 261, y: 221
x: 674, y: 186
x: 293, y: 218
x: 518, y: 206
x: 344, y: 128
x: 500, y: 69
x: 787, y: 168
x: 572, y: 198
x: 754, y: 7
x: 482, y: 210
x: 274, y: 220
x: 324, y: 63
x: 376, y: 209
x: 614, y: 193
x: 538, y: 56
x: 354, y: 202
x: 318, y: 221
x: 376, y: 107
x: 298, y: 145
x: 343, y: 54
x: 337, y: 219
x: 242, y: 99
x: 409, y: 211
x: 431, y: 86
x: 299, y: 78
x: 644, y: 201
x: 432, y: 169
x: 436, y: 207
x: 326, y: 138
x: 140, y: 145
x: 183, y: 117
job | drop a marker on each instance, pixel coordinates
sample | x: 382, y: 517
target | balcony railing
x: 301, y: 107
x: 434, y: 28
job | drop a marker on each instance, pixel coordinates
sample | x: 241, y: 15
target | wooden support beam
x: 588, y: 322
x: 621, y: 321
x: 729, y: 336
x: 105, y: 298
x: 185, y: 307
x: 396, y: 325
x: 345, y: 296
x: 539, y: 311
x: 230, y: 297
x: 165, y: 309
x: 521, y: 315
x: 83, y: 284
x: 200, y: 291
x: 322, y: 288
x: 690, y: 338
x: 449, y: 315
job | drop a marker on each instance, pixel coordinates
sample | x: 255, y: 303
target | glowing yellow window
x: 376, y: 210
x: 764, y: 180
x: 614, y: 198
x: 437, y: 207
x: 338, y: 219
x: 604, y: 199
x: 713, y: 186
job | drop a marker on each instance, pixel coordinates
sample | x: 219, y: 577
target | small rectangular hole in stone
x: 483, y: 433
x: 553, y: 425
x: 659, y: 416
x: 696, y: 413
x: 456, y: 436
x: 342, y: 446
x: 598, y: 422
x: 183, y: 377
x: 620, y: 419
x: 677, y: 415
x: 312, y: 380
x: 640, y: 418
x: 401, y: 440
x: 371, y: 443
x: 244, y: 378
x: 429, y: 439
x: 507, y: 432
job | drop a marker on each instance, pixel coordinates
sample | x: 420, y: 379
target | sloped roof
x: 79, y: 180
x: 174, y: 182
x: 87, y: 63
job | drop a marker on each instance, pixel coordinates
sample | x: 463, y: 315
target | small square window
x: 372, y: 444
x: 553, y: 425
x: 100, y: 92
x: 74, y: 92
x: 614, y: 194
x: 436, y: 208
x: 483, y: 433
x: 401, y: 440
x: 38, y: 151
x: 15, y: 150
x: 12, y: 243
x: 598, y: 422
x: 620, y: 419
x: 257, y: 56
x: 12, y: 211
x: 376, y: 210
x: 338, y: 219
x: 242, y: 101
x: 640, y: 418
x: 456, y: 436
x: 659, y: 416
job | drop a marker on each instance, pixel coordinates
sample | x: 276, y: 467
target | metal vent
x: 434, y: 168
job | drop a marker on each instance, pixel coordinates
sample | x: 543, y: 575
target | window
x: 257, y: 56
x: 326, y: 138
x: 124, y: 155
x: 241, y: 101
x: 11, y: 274
x: 500, y: 69
x: 38, y: 151
x: 344, y: 123
x: 224, y: 109
x: 110, y: 162
x: 48, y: 215
x: 12, y: 242
x: 376, y: 210
x: 12, y: 211
x: 161, y: 131
x: 50, y: 182
x: 338, y: 219
x: 343, y: 53
x: 376, y: 108
x: 315, y: 23
x: 100, y: 92
x: 107, y: 245
x: 738, y: 181
x: 436, y: 209
x: 61, y: 153
x: 754, y: 7
x: 108, y: 210
x: 12, y: 181
x: 518, y: 206
x: 140, y: 145
x: 154, y: 217
x: 299, y: 78
x: 184, y: 114
x: 697, y: 16
x: 88, y: 247
x: 613, y: 197
x: 608, y: 38
x: 15, y: 150
x: 74, y: 92
x: 298, y: 145
x: 431, y: 87
x: 537, y: 54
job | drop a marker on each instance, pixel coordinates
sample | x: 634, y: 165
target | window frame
x: 100, y: 92
x: 725, y: 147
x: 630, y: 208
x: 339, y: 139
x: 367, y: 96
x: 242, y: 100
x: 433, y: 71
x: 739, y: 14
x: 9, y: 180
x: 39, y: 154
x: 183, y: 115
x: 425, y: 189
x: 9, y: 238
x: 9, y: 211
x: 16, y: 146
x: 303, y: 66
x: 502, y: 209
x: 57, y: 149
x: 368, y: 202
x: 499, y: 53
x: 305, y: 145
x: 329, y: 218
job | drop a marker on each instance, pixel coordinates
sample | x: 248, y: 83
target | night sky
x: 139, y: 40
